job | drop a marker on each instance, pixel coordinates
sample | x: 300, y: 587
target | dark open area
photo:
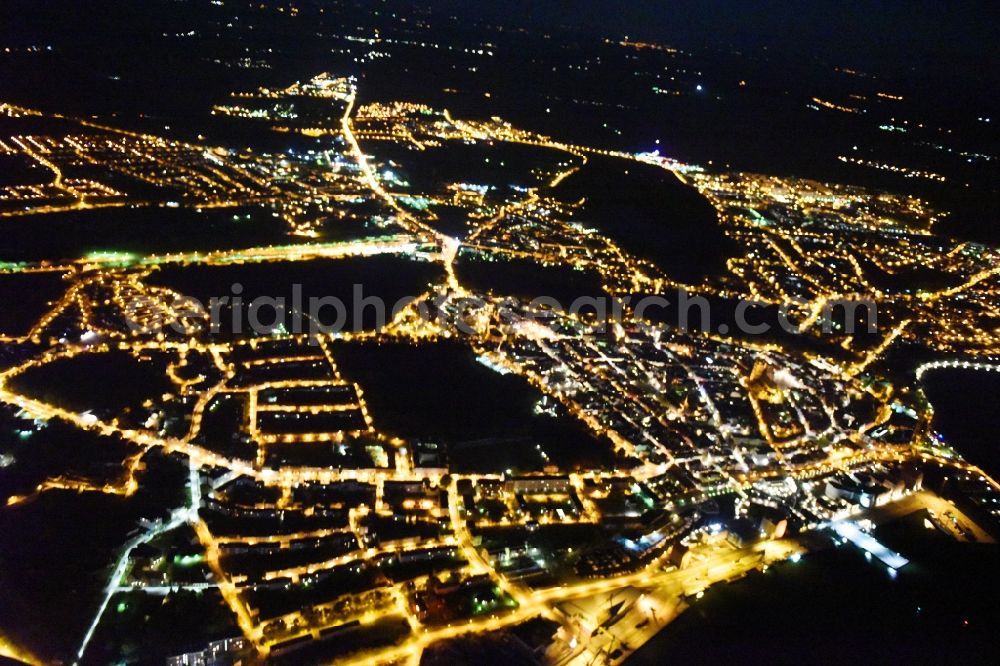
x: 108, y: 383
x: 962, y: 399
x: 650, y: 214
x: 25, y: 297
x: 439, y: 392
x: 58, y: 550
x: 354, y: 283
x: 939, y: 609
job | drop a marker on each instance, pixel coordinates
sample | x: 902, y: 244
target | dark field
x: 525, y: 279
x: 22, y: 170
x: 351, y: 280
x: 500, y: 165
x: 106, y: 382
x: 939, y: 609
x: 57, y: 552
x: 439, y: 392
x: 25, y: 297
x: 58, y: 450
x: 143, y: 230
x: 451, y: 220
x: 146, y: 628
x: 650, y: 214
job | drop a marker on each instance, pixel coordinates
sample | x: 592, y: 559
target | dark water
x: 965, y: 413
x: 834, y: 606
x: 25, y: 297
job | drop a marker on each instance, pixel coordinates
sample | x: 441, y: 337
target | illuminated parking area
x: 869, y: 544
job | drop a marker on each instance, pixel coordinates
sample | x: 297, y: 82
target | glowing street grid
x: 796, y: 436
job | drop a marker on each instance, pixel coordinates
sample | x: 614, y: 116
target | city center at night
x: 546, y: 333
